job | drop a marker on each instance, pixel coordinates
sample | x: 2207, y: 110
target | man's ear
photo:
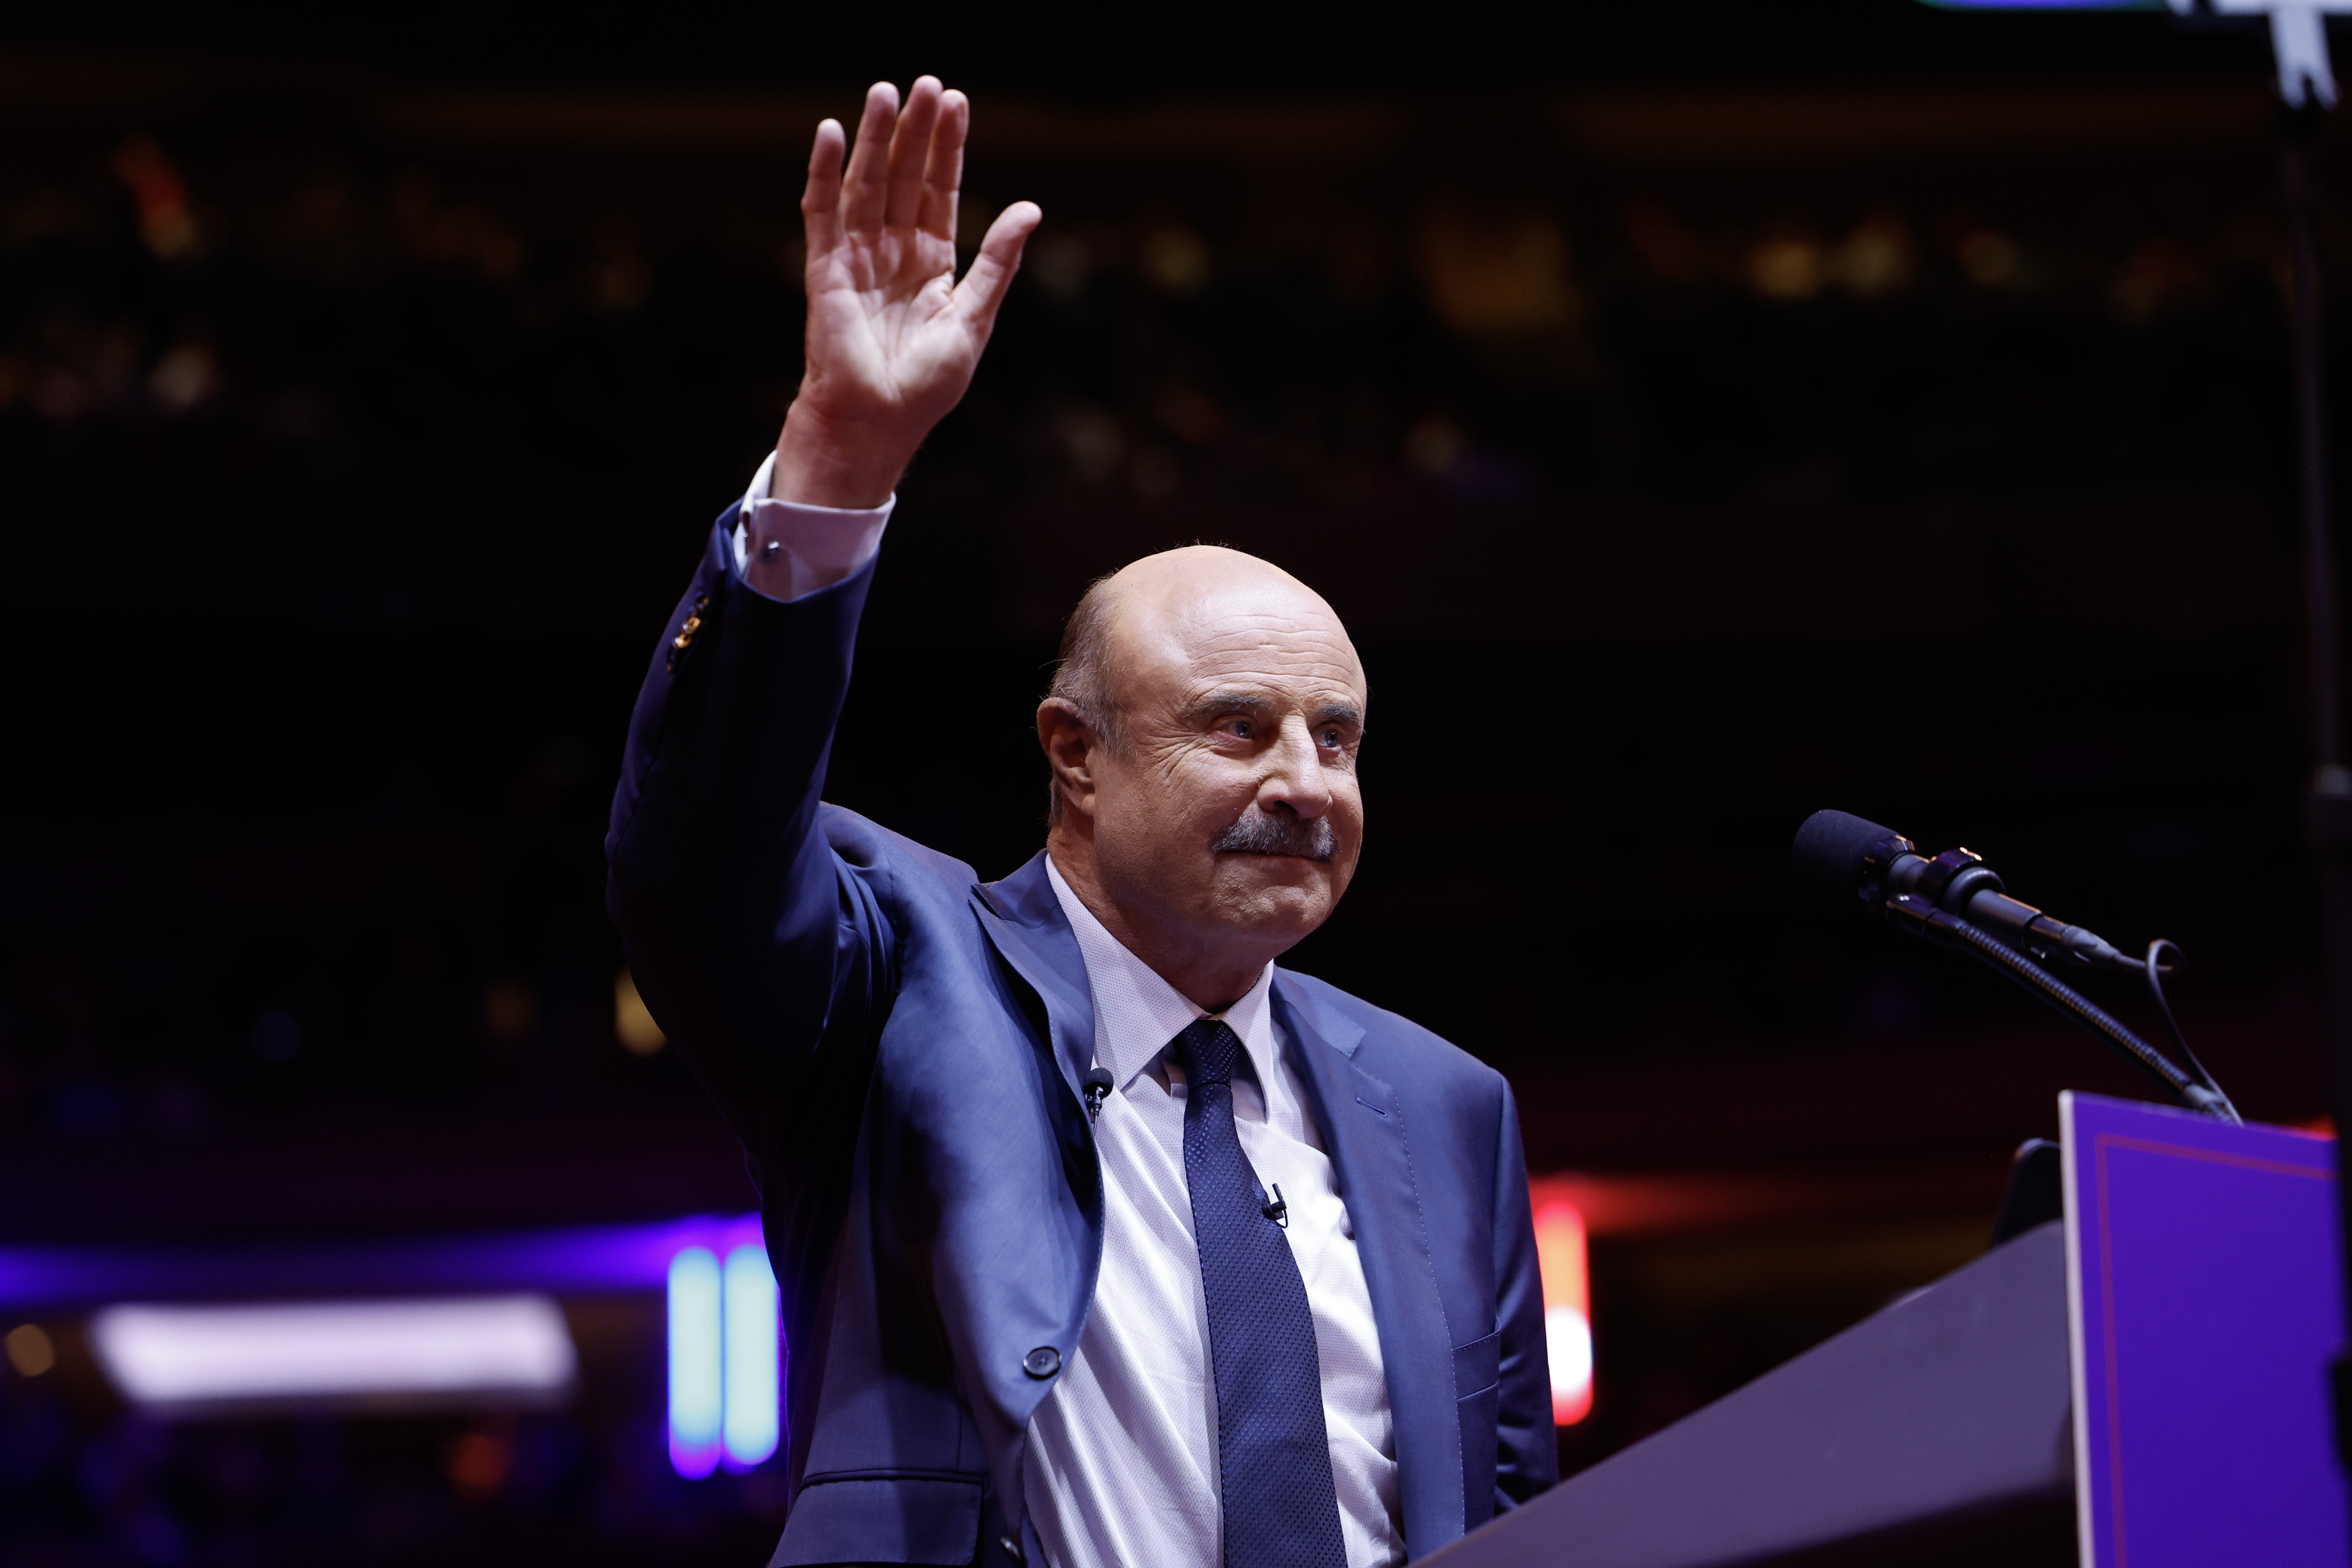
x: 1069, y: 742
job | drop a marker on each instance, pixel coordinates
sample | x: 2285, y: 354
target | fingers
x: 981, y: 292
x: 943, y: 171
x: 820, y: 198
x: 910, y: 147
x: 864, y: 192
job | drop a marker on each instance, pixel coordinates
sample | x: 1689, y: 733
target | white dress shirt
x: 1122, y: 1460
x: 787, y: 551
x: 1121, y: 1464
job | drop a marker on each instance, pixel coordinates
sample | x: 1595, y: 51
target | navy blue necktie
x: 1273, y: 1457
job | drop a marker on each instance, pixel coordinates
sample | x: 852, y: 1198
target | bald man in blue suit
x: 1102, y: 1239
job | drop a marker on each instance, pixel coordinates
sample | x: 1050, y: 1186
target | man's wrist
x: 832, y: 463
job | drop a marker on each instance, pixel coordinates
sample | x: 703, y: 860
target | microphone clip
x: 1095, y: 1085
x: 1278, y: 1211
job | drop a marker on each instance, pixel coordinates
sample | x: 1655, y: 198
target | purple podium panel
x: 2205, y: 1294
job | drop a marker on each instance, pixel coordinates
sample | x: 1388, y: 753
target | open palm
x: 893, y: 338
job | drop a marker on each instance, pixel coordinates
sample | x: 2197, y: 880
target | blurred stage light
x: 725, y: 1387
x: 724, y: 1333
x: 589, y: 1260
x: 1567, y: 1306
x: 697, y: 1396
x: 196, y: 1359
x: 29, y: 1349
x: 752, y: 1383
x: 633, y: 1021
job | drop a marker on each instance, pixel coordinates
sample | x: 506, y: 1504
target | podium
x: 2189, y: 1300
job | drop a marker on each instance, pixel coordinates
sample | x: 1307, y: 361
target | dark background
x: 1699, y: 420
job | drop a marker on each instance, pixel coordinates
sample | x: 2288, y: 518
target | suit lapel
x: 1024, y: 920
x: 1362, y: 1120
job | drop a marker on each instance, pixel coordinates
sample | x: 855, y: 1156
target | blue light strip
x: 695, y: 1390
x: 754, y: 1395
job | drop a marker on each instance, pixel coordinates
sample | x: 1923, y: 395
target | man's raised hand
x: 893, y: 338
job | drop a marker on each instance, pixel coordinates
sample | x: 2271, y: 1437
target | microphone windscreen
x: 1829, y: 852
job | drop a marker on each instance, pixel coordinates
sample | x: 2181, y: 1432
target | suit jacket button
x: 1043, y: 1361
x: 685, y: 639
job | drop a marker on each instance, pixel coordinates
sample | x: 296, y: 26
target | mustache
x: 1259, y: 832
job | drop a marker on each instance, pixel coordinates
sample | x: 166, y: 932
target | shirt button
x: 1043, y: 1361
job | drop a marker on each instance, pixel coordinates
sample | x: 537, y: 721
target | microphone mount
x: 1956, y: 901
x: 1958, y: 882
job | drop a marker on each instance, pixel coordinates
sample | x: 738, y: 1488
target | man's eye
x: 1332, y: 739
x: 1241, y: 729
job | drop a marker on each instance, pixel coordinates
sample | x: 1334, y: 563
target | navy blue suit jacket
x: 899, y: 1047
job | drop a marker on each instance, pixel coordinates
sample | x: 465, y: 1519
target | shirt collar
x: 1137, y: 1014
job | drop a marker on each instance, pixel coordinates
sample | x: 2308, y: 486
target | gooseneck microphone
x: 1955, y: 900
x: 1847, y: 857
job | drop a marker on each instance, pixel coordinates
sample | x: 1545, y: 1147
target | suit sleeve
x: 762, y: 957
x: 1528, y: 1461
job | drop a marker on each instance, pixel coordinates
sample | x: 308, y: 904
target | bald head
x: 1202, y: 731
x: 1141, y: 616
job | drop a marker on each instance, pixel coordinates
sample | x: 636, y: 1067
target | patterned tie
x: 1274, y: 1457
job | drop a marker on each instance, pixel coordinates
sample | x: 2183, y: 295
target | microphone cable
x: 2157, y: 971
x: 2197, y: 1092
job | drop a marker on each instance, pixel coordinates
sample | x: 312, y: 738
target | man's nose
x: 1294, y: 778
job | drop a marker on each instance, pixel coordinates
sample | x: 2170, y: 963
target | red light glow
x: 1568, y: 1303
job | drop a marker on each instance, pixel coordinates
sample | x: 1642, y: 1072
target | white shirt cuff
x: 786, y: 551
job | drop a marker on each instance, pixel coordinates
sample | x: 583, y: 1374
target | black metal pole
x: 2329, y: 804
x: 2319, y: 534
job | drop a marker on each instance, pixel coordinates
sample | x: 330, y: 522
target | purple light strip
x: 585, y: 1259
